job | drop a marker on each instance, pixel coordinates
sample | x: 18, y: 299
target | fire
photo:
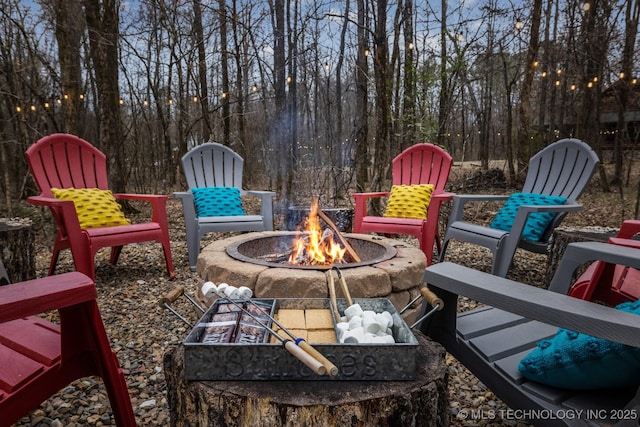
x: 316, y: 247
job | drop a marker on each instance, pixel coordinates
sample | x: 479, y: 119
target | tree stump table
x: 561, y: 238
x: 419, y: 402
x: 17, y: 249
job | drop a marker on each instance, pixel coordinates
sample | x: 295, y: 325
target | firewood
x: 354, y: 255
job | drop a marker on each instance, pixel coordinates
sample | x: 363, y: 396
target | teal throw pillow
x: 536, y: 223
x: 577, y: 361
x: 217, y: 201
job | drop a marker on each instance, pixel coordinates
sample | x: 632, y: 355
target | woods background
x: 320, y: 92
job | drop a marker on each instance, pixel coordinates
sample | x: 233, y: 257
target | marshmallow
x: 209, y: 289
x: 388, y: 316
x: 370, y: 324
x: 222, y: 287
x: 354, y: 336
x: 231, y: 292
x: 245, y: 292
x: 355, y: 322
x: 383, y: 321
x: 353, y: 311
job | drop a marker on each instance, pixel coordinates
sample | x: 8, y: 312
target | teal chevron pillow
x: 536, y: 223
x: 577, y: 361
x: 217, y: 201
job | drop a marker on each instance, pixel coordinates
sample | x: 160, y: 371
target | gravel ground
x: 141, y: 332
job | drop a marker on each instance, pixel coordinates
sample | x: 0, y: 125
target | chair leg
x: 115, y: 254
x: 193, y: 248
x: 108, y: 366
x: 166, y: 247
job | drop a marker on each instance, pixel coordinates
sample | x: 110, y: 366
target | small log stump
x: 421, y: 402
x: 560, y: 240
x: 17, y: 249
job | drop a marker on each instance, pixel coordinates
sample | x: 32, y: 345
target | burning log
x: 352, y: 253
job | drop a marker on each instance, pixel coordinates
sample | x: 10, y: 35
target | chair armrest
x: 266, y: 206
x: 579, y: 253
x: 371, y: 194
x: 64, y: 214
x: 188, y: 207
x: 41, y: 295
x: 158, y: 204
x: 535, y: 303
x: 143, y: 197
x: 444, y: 196
x: 263, y: 194
x: 460, y: 200
x: 629, y: 228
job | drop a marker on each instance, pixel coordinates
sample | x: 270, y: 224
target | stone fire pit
x: 396, y: 276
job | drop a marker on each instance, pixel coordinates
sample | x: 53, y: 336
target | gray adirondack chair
x: 563, y: 168
x: 215, y: 165
x: 492, y: 339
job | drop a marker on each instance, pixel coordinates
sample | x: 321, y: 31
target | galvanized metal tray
x: 268, y: 361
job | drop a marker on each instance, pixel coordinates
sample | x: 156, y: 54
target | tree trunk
x: 419, y: 402
x: 102, y: 23
x: 381, y: 156
x: 360, y: 134
x: 69, y: 31
x: 202, y: 66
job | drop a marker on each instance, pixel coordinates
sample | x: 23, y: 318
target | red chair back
x: 66, y: 161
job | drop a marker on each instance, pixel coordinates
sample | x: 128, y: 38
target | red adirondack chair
x: 610, y: 283
x: 419, y: 164
x: 66, y: 161
x: 39, y: 358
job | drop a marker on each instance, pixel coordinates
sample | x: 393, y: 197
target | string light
x: 410, y: 46
x: 519, y: 24
x: 195, y: 99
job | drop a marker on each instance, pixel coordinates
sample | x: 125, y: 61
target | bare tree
x: 102, y: 23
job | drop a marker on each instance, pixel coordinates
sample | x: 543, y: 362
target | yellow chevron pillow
x: 95, y: 207
x: 409, y: 201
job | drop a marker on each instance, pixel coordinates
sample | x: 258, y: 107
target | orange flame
x: 314, y: 248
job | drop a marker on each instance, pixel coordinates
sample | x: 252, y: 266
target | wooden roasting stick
x: 296, y: 349
x: 332, y: 294
x: 352, y: 253
x: 345, y: 288
x: 431, y: 298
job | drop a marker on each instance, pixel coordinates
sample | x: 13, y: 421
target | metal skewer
x: 432, y: 299
x: 170, y: 297
x: 331, y: 369
x: 295, y: 349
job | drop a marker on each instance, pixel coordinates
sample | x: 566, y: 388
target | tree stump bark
x: 559, y: 242
x: 421, y: 402
x: 17, y: 249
